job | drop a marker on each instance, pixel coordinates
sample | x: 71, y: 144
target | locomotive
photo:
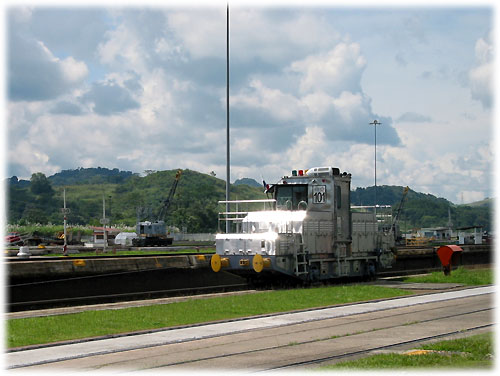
x: 309, y: 233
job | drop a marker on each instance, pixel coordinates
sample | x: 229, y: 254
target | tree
x: 40, y: 185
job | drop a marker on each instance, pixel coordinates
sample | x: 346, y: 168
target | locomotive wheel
x: 258, y: 263
x: 215, y: 263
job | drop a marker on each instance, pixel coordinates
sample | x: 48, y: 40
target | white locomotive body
x: 311, y: 234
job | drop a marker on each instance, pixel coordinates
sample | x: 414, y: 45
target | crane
x: 398, y: 213
x: 155, y: 233
x: 166, y: 202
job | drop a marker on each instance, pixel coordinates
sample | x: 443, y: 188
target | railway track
x: 344, y: 355
x: 367, y: 351
x: 298, y: 339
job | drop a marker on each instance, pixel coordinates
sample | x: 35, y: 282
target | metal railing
x: 237, y: 215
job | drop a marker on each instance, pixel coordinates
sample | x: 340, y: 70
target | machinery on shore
x: 311, y: 232
x: 395, y: 228
x: 151, y: 234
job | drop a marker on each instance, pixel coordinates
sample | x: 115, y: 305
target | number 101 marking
x: 319, y: 194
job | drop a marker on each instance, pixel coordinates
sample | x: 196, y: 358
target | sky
x: 144, y: 88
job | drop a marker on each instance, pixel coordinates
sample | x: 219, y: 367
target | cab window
x: 291, y: 197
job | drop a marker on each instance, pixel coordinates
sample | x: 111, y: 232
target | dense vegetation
x: 426, y: 210
x: 82, y: 175
x: 195, y: 204
x: 193, y: 208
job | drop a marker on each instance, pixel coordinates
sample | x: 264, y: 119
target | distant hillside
x: 195, y: 204
x: 248, y: 181
x: 489, y: 202
x: 97, y: 175
x: 16, y: 182
x: 425, y: 210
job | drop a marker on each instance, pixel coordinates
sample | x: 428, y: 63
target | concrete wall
x: 194, y: 237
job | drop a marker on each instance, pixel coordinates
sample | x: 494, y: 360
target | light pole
x: 227, y: 118
x: 375, y: 123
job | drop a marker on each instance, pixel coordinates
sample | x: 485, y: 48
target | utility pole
x: 104, y: 221
x: 375, y: 123
x: 65, y: 212
x: 228, y: 174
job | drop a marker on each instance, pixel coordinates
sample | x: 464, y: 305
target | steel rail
x: 367, y: 351
x: 347, y: 354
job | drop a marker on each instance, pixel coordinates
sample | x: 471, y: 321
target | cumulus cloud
x: 109, y: 98
x: 480, y: 77
x: 414, y: 117
x: 34, y: 73
x: 144, y: 88
x: 73, y: 32
x: 282, y: 106
x: 64, y: 107
x: 339, y: 68
x: 322, y: 90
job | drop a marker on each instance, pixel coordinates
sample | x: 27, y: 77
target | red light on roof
x: 301, y: 172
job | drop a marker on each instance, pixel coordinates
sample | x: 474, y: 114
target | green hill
x: 248, y: 181
x: 488, y: 202
x: 195, y: 204
x: 426, y: 210
x: 82, y: 175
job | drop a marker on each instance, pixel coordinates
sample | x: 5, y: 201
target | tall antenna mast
x: 228, y: 174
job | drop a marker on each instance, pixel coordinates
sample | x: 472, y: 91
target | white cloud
x: 109, y: 97
x: 147, y: 91
x: 333, y: 71
x: 413, y: 117
x: 20, y: 15
x: 276, y: 39
x: 469, y: 196
x: 308, y: 150
x: 201, y: 31
x: 122, y: 47
x: 254, y: 33
x: 23, y: 154
x: 348, y: 104
x: 36, y: 74
x: 74, y: 71
x: 280, y: 105
x: 480, y: 77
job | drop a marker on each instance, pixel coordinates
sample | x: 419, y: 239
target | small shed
x: 125, y: 238
x: 98, y: 235
x: 436, y: 233
x: 470, y: 235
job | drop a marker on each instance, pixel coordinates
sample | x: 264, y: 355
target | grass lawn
x: 470, y: 352
x: 30, y: 331
x: 469, y: 277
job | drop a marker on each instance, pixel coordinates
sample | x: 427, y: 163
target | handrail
x: 237, y: 215
x: 247, y: 201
